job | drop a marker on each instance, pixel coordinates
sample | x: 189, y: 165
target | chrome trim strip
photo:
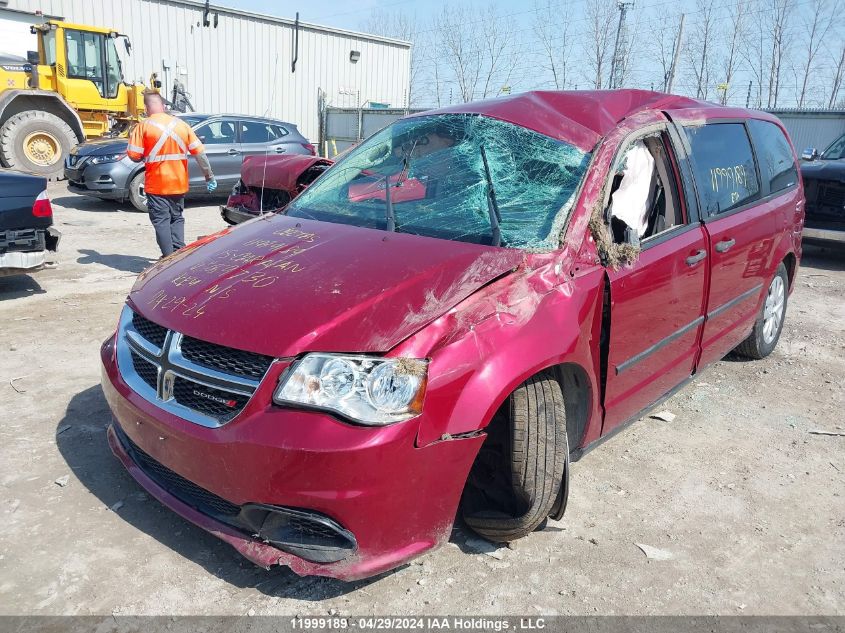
x: 170, y: 363
x: 657, y: 346
x: 730, y: 304
x: 824, y: 234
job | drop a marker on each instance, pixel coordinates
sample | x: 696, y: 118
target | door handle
x: 279, y: 150
x: 725, y: 245
x: 233, y: 152
x: 700, y: 254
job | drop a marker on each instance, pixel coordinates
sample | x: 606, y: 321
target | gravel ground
x: 745, y: 502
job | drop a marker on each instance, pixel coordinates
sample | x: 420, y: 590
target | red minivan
x: 447, y: 317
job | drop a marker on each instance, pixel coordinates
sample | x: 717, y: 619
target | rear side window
x: 724, y: 166
x: 255, y: 132
x: 774, y: 155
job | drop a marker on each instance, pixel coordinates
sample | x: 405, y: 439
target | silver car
x: 101, y: 168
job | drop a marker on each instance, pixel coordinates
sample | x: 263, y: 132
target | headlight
x: 108, y: 158
x: 370, y: 390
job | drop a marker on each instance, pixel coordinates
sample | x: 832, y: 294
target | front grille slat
x: 145, y: 370
x: 153, y: 332
x: 225, y: 359
x: 181, y: 360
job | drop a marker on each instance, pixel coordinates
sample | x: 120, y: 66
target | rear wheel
x: 137, y: 195
x: 767, y: 328
x: 517, y: 479
x: 36, y: 142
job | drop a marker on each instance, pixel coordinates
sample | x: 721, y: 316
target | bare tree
x: 552, y: 28
x: 461, y: 47
x: 662, y: 44
x: 599, y: 35
x: 778, y: 18
x: 701, y: 45
x: 738, y: 34
x: 754, y: 53
x: 478, y: 52
x: 838, y: 76
x: 816, y: 26
x: 498, y: 60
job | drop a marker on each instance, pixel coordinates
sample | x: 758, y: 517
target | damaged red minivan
x: 447, y: 317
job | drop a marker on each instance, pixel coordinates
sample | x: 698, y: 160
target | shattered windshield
x: 460, y: 177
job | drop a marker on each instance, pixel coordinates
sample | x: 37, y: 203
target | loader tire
x: 518, y: 478
x: 36, y: 142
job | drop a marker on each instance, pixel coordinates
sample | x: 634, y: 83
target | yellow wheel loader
x: 70, y: 90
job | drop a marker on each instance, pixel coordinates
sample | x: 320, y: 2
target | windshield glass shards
x: 460, y: 177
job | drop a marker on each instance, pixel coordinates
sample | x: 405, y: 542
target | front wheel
x: 137, y: 196
x: 36, y: 142
x: 517, y: 479
x: 767, y: 328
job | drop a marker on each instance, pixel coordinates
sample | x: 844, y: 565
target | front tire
x: 769, y: 324
x: 137, y: 196
x: 36, y: 142
x: 517, y: 479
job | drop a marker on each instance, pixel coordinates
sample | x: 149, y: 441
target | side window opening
x: 643, y: 200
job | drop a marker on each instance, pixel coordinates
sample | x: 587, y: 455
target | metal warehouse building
x: 243, y: 65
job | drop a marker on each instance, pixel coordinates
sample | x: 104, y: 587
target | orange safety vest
x: 164, y: 142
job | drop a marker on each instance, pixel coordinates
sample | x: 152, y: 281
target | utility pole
x: 670, y: 78
x: 617, y: 67
x: 748, y: 96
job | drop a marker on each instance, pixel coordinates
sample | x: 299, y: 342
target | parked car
x: 27, y: 235
x: 101, y: 168
x: 464, y: 304
x: 824, y: 186
x: 268, y: 183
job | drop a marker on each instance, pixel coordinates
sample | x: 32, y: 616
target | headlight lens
x: 370, y: 390
x: 108, y: 158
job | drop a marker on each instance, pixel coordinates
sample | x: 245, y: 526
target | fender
x: 487, y: 346
x: 14, y: 102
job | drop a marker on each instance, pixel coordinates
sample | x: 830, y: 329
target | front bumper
x: 396, y: 499
x: 108, y: 180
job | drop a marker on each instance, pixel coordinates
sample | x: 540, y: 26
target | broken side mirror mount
x: 811, y: 153
x: 632, y: 238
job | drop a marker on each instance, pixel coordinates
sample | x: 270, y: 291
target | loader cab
x: 82, y: 64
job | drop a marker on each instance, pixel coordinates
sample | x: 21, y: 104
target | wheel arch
x: 13, y: 102
x: 790, y: 261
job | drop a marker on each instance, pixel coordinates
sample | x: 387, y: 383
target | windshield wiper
x: 492, y: 204
x: 388, y: 206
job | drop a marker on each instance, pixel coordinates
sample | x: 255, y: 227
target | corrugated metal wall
x: 243, y: 66
x: 812, y: 129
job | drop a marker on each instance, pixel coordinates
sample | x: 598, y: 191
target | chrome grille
x: 201, y: 382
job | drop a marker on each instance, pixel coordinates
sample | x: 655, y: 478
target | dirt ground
x: 745, y: 500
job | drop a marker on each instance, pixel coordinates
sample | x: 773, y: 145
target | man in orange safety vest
x: 163, y: 142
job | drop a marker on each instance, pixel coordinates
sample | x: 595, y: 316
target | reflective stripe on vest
x: 135, y: 148
x: 165, y: 157
x: 166, y: 133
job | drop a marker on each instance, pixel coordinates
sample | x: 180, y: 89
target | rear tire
x: 769, y: 324
x: 36, y: 142
x: 137, y: 197
x: 519, y: 473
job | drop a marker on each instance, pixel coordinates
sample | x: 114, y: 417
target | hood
x: 283, y: 286
x: 824, y: 170
x: 100, y: 147
x: 278, y: 172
